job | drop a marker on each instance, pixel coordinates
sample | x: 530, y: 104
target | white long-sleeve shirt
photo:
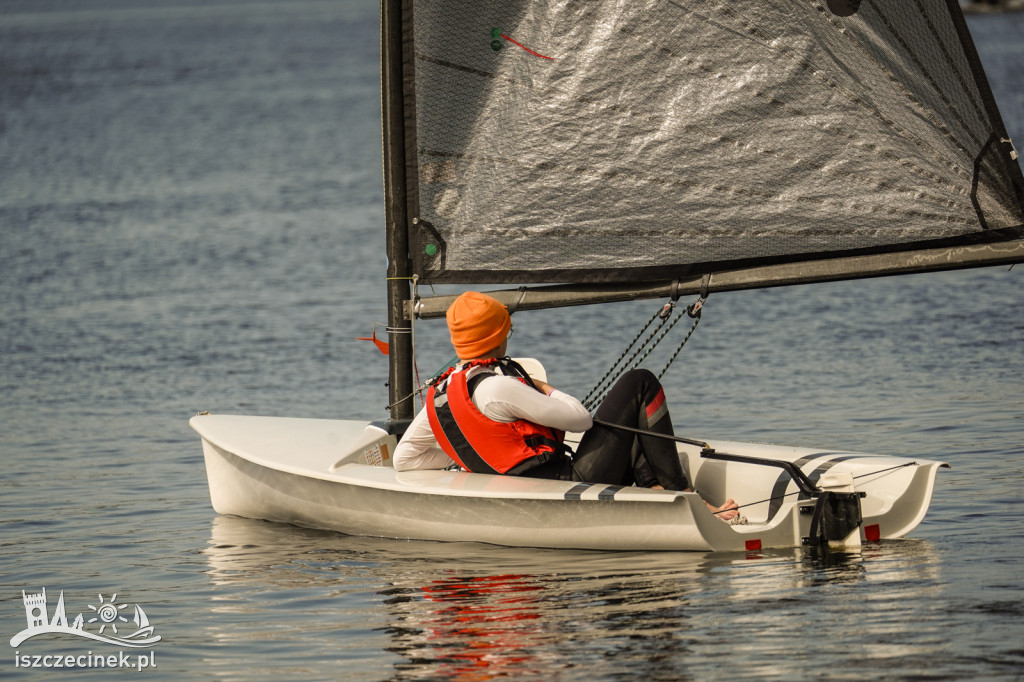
x: 501, y: 398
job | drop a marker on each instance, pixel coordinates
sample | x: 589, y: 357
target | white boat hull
x: 336, y: 475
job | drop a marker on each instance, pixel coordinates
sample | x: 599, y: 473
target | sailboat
x: 141, y: 620
x: 573, y: 153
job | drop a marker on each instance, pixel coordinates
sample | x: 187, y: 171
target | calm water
x: 189, y: 211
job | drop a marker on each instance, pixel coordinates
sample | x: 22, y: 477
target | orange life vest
x: 479, y: 443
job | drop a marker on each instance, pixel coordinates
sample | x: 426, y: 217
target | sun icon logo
x: 107, y: 613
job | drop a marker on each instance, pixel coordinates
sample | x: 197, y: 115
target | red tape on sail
x: 496, y: 44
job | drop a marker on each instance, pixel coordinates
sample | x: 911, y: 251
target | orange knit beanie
x: 478, y: 324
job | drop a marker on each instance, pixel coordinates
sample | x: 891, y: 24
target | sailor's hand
x: 543, y: 386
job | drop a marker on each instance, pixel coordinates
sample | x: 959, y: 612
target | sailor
x: 489, y: 416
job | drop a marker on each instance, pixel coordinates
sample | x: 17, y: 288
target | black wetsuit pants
x: 618, y: 457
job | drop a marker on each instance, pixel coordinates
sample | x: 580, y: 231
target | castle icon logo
x: 106, y: 614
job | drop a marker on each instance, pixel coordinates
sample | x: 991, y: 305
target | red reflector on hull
x: 753, y: 544
x: 872, y: 533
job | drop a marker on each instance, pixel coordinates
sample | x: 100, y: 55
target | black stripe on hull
x: 782, y: 482
x: 607, y: 493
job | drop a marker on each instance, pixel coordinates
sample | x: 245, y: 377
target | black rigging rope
x: 631, y: 358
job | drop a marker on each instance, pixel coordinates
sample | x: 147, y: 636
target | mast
x: 393, y: 130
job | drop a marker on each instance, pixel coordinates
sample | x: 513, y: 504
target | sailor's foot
x: 727, y: 512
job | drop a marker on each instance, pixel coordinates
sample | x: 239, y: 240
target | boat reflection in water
x: 471, y: 611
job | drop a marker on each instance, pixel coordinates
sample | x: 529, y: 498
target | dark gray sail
x: 598, y: 141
